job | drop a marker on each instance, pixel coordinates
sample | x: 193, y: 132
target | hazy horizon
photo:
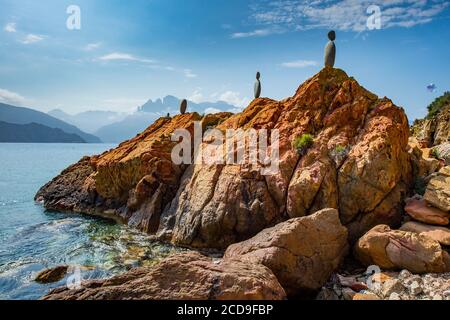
x: 127, y: 53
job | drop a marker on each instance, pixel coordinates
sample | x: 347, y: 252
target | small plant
x: 339, y: 153
x: 339, y: 149
x: 303, y: 143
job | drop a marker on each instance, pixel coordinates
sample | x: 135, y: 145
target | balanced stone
x: 183, y: 106
x: 257, y: 86
x: 330, y: 50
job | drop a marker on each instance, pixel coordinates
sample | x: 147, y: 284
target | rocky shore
x: 363, y: 191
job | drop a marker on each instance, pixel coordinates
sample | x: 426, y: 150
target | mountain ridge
x: 135, y: 123
x: 35, y: 133
x: 22, y: 116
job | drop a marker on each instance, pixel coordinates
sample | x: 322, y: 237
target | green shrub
x: 339, y: 149
x: 438, y: 104
x: 339, y: 153
x: 303, y: 143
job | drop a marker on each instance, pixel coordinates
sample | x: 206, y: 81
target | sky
x: 126, y: 52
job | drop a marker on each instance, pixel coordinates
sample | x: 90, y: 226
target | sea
x: 33, y: 239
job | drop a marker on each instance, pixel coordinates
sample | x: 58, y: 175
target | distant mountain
x: 127, y: 128
x: 37, y: 133
x: 18, y: 115
x: 171, y: 104
x: 152, y: 110
x: 89, y: 121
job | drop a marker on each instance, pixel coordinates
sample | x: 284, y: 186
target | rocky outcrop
x: 301, y: 252
x: 52, y: 275
x: 423, y: 163
x: 358, y: 164
x: 434, y: 130
x: 396, y: 249
x: 185, y: 276
x: 440, y: 234
x: 438, y: 190
x: 390, y: 285
x: 131, y: 183
x: 442, y: 152
x: 71, y: 190
x: 420, y: 210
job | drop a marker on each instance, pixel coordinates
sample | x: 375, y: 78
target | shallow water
x: 32, y: 239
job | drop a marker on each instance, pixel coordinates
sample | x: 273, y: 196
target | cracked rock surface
x: 192, y: 276
x: 358, y: 164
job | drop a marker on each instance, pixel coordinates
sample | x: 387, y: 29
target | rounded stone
x: 257, y: 89
x: 183, y: 106
x: 332, y: 35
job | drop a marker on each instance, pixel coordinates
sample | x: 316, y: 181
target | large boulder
x: 442, y: 151
x: 51, y: 275
x: 301, y: 252
x: 438, y: 190
x: 440, y: 234
x: 396, y: 249
x: 420, y: 210
x: 186, y: 276
x: 422, y: 161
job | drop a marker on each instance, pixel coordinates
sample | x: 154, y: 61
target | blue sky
x: 127, y: 52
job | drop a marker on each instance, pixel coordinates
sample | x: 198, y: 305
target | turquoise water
x: 32, y: 239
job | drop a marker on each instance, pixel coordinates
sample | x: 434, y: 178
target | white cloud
x: 231, y: 97
x: 32, y: 38
x: 13, y: 98
x: 196, y: 96
x: 234, y: 98
x: 189, y: 74
x: 212, y: 110
x: 118, y: 56
x: 299, y: 64
x: 92, y: 46
x: 255, y: 33
x: 345, y: 15
x: 10, y: 27
x: 125, y: 105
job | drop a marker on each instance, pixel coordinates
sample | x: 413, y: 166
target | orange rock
x: 358, y: 164
x: 396, y: 249
x: 220, y: 205
x: 365, y: 296
x: 301, y: 252
x: 438, y: 190
x: 440, y: 234
x: 422, y: 162
x: 419, y: 210
x: 185, y: 276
